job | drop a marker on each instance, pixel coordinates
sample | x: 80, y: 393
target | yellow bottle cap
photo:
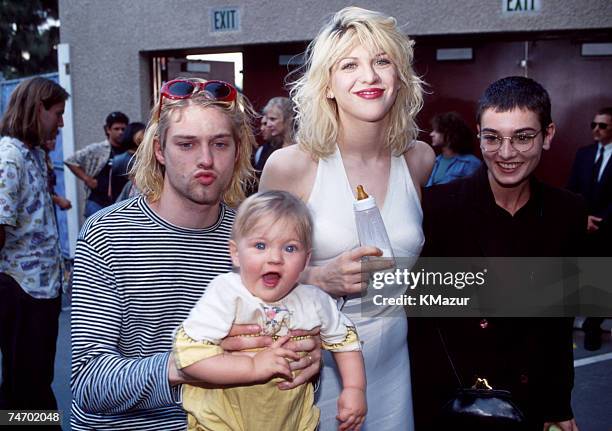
x: 361, y: 194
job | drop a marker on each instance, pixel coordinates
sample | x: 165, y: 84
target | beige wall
x: 107, y: 38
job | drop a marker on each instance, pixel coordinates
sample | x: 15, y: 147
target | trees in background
x: 29, y: 34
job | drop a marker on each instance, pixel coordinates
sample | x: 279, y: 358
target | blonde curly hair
x: 148, y: 173
x: 317, y: 116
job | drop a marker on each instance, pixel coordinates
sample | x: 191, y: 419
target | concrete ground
x: 592, y: 395
x: 61, y: 383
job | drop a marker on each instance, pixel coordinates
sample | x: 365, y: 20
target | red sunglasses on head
x: 184, y: 89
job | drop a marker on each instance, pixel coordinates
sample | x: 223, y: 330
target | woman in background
x: 276, y: 129
x: 355, y: 105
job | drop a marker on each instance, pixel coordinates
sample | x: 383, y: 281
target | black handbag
x: 480, y: 407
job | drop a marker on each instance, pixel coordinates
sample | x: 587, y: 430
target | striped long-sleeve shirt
x: 136, y: 277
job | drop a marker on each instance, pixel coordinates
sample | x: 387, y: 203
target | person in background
x: 93, y: 164
x: 356, y: 105
x: 122, y: 164
x: 265, y: 136
x: 591, y: 177
x: 276, y: 128
x: 63, y: 203
x: 455, y: 142
x: 30, y: 258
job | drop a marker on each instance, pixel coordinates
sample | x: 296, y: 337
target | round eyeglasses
x: 521, y: 142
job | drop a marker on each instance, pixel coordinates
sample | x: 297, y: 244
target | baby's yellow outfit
x: 257, y: 407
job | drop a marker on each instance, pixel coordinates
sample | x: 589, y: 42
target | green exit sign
x: 520, y: 6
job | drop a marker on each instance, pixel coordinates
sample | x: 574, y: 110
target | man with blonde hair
x: 141, y: 265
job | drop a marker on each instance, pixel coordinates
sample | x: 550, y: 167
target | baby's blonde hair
x: 283, y: 206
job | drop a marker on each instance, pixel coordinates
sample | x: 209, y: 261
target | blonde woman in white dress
x: 356, y: 104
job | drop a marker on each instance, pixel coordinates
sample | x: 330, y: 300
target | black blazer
x: 266, y: 152
x: 531, y: 357
x: 599, y: 197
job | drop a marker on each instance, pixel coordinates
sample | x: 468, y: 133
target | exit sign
x: 520, y: 6
x: 225, y: 19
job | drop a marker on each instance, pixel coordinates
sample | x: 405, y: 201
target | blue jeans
x: 91, y: 208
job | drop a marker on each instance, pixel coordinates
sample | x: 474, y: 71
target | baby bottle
x: 370, y: 227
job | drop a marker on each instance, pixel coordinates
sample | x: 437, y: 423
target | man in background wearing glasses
x: 501, y: 211
x: 591, y: 177
x: 142, y: 264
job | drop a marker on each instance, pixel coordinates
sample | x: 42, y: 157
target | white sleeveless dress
x: 384, y: 339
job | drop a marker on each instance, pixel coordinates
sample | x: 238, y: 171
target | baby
x: 271, y: 241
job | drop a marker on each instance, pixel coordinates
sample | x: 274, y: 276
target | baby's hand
x: 352, y: 409
x: 273, y: 361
